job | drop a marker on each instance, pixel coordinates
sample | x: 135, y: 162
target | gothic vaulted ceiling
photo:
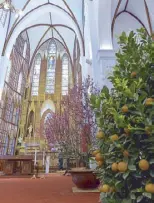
x: 63, y: 19
x: 44, y: 19
x: 132, y: 14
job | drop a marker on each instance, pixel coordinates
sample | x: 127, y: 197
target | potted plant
x: 125, y: 116
x: 74, y: 129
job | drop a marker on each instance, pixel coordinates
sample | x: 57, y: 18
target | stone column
x: 84, y: 68
x: 106, y: 62
x: 47, y: 165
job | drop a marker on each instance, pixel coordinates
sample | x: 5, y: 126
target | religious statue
x: 30, y: 129
x: 52, y: 61
x: 20, y: 139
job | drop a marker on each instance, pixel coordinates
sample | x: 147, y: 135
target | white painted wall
x: 100, y: 15
x: 3, y: 32
x: 120, y: 26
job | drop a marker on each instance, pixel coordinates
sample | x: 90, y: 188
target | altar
x: 17, y: 165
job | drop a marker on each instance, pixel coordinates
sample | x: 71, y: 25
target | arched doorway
x: 51, y: 154
x: 46, y: 114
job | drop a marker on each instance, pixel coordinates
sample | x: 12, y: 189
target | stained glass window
x: 19, y: 82
x: 50, y: 78
x: 8, y: 71
x: 10, y: 108
x: 25, y: 49
x: 36, y: 75
x: 65, y: 67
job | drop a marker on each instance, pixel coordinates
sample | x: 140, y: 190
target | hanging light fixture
x: 8, y: 6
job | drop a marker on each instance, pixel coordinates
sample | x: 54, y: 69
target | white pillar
x: 105, y: 63
x: 91, y: 15
x: 43, y: 158
x: 104, y: 24
x: 35, y: 158
x: 84, y: 67
x: 47, y: 164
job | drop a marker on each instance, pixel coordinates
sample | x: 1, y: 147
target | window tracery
x: 65, y: 74
x: 36, y: 75
x: 51, y: 68
x: 19, y: 83
x: 25, y: 49
x: 12, y: 94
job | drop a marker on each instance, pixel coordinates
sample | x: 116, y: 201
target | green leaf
x: 93, y: 100
x: 151, y: 161
x: 98, y: 103
x: 133, y: 196
x: 125, y: 175
x: 139, y: 199
x: 146, y: 194
x: 126, y: 201
x: 105, y: 91
x: 152, y: 173
x: 118, y: 183
x: 137, y: 174
x: 132, y: 167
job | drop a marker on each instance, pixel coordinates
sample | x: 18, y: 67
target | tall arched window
x: 36, y: 75
x: 19, y: 83
x: 8, y: 71
x: 25, y: 50
x: 65, y: 68
x: 50, y: 78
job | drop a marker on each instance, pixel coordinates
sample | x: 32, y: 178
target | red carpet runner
x: 56, y: 189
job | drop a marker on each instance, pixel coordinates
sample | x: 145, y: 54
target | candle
x: 34, y: 138
x: 43, y: 157
x: 35, y: 157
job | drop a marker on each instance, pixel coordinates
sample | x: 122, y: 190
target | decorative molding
x: 148, y: 16
x: 115, y: 16
x: 88, y: 61
x: 106, y: 60
x: 134, y: 16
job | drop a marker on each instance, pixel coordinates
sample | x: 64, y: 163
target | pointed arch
x: 65, y: 74
x: 36, y: 75
x: 51, y: 67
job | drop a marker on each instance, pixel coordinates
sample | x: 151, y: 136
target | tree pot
x: 84, y: 178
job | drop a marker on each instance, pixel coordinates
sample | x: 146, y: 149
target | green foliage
x: 133, y: 83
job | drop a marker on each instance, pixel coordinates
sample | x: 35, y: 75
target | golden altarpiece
x: 37, y: 92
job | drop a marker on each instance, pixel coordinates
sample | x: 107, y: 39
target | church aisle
x: 55, y: 189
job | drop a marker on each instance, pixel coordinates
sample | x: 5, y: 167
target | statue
x: 30, y: 129
x: 20, y: 139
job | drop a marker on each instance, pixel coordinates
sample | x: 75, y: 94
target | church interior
x: 53, y: 52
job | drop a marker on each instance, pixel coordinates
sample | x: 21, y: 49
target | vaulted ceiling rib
x: 48, y: 19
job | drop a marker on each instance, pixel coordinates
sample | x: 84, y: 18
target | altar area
x: 44, y: 155
x: 17, y: 165
x: 34, y: 151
